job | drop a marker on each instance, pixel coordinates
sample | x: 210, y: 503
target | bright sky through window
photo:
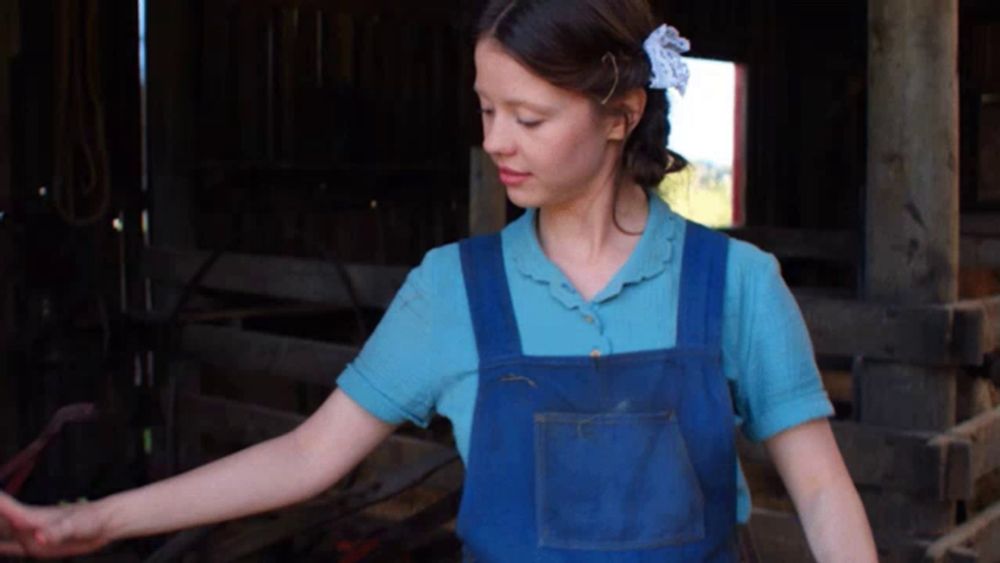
x: 703, y: 123
x: 702, y: 120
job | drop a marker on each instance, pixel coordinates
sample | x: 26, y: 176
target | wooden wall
x: 340, y: 131
x: 321, y: 124
x: 9, y: 46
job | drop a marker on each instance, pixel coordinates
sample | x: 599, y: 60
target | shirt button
x: 595, y: 353
x: 588, y: 319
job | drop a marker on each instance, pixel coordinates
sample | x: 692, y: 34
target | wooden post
x: 911, y: 236
x: 173, y: 67
x: 9, y: 46
x: 487, y: 196
x: 172, y: 38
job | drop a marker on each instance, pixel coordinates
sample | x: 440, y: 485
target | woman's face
x: 551, y: 145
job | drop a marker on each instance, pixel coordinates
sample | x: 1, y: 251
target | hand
x: 50, y: 532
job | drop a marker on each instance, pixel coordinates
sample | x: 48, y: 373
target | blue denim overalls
x: 627, y: 458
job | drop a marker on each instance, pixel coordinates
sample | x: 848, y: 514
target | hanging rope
x: 81, y: 189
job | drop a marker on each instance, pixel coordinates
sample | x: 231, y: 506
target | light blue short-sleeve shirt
x: 422, y: 358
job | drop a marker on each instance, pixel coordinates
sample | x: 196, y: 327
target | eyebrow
x: 525, y: 103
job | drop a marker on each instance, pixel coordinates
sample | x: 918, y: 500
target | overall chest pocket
x: 614, y: 481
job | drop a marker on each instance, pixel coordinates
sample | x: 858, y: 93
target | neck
x: 584, y: 231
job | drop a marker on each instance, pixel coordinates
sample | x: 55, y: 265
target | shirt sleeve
x: 768, y: 356
x: 400, y: 370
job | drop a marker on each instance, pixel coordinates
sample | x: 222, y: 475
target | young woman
x: 591, y: 357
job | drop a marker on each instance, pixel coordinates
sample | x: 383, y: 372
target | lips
x: 512, y: 178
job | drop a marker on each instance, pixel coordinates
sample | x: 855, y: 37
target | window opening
x: 707, y: 130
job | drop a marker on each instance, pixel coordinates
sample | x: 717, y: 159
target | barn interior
x: 206, y: 205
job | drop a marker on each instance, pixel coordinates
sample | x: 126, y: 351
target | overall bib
x: 623, y: 458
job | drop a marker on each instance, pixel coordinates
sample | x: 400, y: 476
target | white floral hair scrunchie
x: 664, y: 47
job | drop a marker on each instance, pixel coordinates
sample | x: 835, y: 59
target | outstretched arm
x: 275, y: 473
x: 831, y: 512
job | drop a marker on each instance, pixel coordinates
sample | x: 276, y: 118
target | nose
x: 497, y: 138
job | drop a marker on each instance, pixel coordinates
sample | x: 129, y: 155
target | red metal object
x: 356, y: 551
x: 19, y: 468
x: 740, y: 146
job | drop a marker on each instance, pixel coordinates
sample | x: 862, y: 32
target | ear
x: 625, y: 112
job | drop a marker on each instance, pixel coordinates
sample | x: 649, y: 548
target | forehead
x: 501, y: 77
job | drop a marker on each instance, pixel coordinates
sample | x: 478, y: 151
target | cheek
x: 576, y: 152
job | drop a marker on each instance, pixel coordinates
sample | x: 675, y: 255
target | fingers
x: 12, y: 513
x: 8, y: 506
x: 38, y: 545
x: 48, y: 532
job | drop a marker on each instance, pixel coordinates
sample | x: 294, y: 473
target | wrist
x: 111, y: 511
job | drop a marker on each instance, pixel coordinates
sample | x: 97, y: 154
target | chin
x: 521, y: 198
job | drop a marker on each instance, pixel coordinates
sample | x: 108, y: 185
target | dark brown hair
x: 567, y: 43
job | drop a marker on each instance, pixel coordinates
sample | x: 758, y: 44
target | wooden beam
x: 977, y: 540
x: 912, y: 196
x: 122, y: 105
x: 233, y: 422
x: 891, y: 459
x: 957, y: 334
x: 981, y: 224
x: 309, y: 361
x: 843, y: 327
x: 9, y: 45
x: 173, y: 43
x: 911, y: 223
x: 973, y: 452
x: 943, y: 466
x: 778, y: 536
x: 880, y: 457
x: 978, y: 249
x: 487, y: 196
x: 835, y: 246
x: 298, y: 279
x: 10, y: 28
x: 980, y: 252
x: 977, y: 327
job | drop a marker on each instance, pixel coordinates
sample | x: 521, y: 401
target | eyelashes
x: 526, y: 123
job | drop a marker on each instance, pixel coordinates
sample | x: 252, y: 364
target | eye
x: 529, y: 123
x: 485, y: 111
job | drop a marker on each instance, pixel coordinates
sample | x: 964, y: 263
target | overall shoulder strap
x: 703, y: 287
x: 488, y: 293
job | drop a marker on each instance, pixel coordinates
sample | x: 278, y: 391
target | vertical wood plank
x: 172, y: 132
x: 487, y: 196
x: 911, y: 225
x: 251, y: 68
x: 912, y: 199
x: 287, y: 27
x: 172, y: 118
x: 911, y: 229
x: 9, y: 44
x: 216, y: 100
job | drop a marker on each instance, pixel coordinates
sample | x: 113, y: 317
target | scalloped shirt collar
x: 649, y: 258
